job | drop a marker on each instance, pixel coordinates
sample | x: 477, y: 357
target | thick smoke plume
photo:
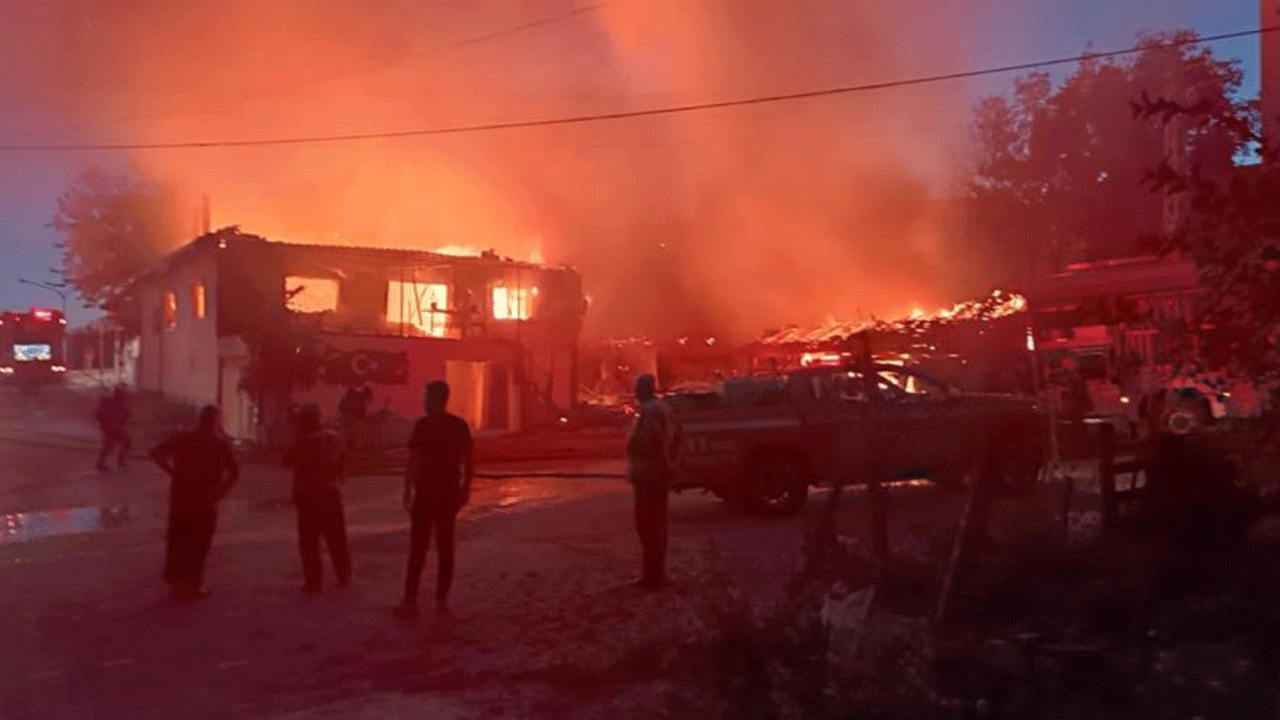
x: 726, y: 222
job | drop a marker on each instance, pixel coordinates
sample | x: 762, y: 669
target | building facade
x: 504, y: 334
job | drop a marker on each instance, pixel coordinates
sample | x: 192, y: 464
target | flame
x: 458, y: 251
x: 998, y: 305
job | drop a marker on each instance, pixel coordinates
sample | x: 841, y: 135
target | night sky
x: 1019, y: 30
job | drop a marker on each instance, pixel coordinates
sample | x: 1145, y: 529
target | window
x: 311, y: 295
x: 170, y: 311
x: 197, y: 300
x: 424, y: 306
x: 839, y: 386
x: 512, y: 303
x: 900, y: 383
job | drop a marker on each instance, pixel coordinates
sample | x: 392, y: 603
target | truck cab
x: 761, y: 443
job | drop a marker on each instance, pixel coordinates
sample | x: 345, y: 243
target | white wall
x: 181, y: 362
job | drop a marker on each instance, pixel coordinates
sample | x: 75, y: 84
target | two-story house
x: 503, y: 333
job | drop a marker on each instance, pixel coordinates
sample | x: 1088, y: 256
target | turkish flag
x: 353, y: 367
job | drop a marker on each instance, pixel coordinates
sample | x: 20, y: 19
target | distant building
x: 504, y: 334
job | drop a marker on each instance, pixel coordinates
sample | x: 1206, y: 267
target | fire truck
x: 760, y: 443
x: 1130, y: 325
x: 31, y: 347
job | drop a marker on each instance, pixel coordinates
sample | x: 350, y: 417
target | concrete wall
x: 181, y: 362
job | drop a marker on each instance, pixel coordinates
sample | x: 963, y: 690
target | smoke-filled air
x: 725, y: 221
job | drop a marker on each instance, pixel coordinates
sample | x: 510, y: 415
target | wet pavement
x: 37, y: 525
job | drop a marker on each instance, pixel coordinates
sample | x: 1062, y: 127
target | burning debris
x: 1000, y: 304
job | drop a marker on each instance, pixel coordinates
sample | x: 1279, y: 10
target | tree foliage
x: 1058, y: 166
x: 113, y: 226
x: 1231, y: 230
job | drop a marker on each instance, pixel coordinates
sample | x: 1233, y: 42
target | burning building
x: 503, y: 333
x: 976, y: 345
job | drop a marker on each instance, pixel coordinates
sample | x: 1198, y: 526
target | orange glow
x: 820, y: 359
x: 170, y: 311
x: 313, y: 295
x: 783, y: 199
x: 512, y: 303
x: 421, y: 305
x: 197, y: 300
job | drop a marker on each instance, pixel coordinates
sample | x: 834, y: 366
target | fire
x: 999, y: 304
x: 458, y: 251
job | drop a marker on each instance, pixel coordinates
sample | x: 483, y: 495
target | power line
x: 646, y: 112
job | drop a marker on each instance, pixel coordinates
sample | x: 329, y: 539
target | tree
x: 113, y: 226
x: 1231, y: 230
x: 1058, y: 167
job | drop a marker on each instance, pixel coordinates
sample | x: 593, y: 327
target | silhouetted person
x: 652, y: 449
x: 203, y: 468
x: 317, y: 458
x: 114, y: 413
x: 437, y: 483
x: 1075, y: 405
x: 352, y: 410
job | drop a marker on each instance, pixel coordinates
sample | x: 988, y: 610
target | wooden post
x: 877, y: 492
x: 973, y: 523
x: 1106, y: 473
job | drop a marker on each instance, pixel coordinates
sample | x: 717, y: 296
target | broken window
x: 311, y: 295
x: 170, y: 311
x: 511, y: 303
x: 197, y: 300
x: 422, y: 305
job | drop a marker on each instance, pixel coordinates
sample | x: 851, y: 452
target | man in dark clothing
x: 437, y: 483
x: 316, y: 458
x: 352, y: 410
x: 652, y: 461
x: 113, y: 418
x: 203, y: 469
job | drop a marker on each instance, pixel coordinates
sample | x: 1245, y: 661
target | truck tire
x: 777, y: 486
x: 1017, y: 455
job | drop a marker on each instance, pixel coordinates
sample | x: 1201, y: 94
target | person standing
x: 317, y: 458
x: 652, y: 462
x: 114, y: 413
x: 437, y: 484
x: 352, y: 410
x: 203, y: 470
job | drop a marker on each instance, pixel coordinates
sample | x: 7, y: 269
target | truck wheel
x: 778, y: 486
x: 1018, y: 456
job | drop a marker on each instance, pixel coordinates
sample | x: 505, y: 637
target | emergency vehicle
x: 1131, y: 326
x: 31, y: 347
x: 761, y: 443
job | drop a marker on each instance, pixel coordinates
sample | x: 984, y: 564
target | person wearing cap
x: 652, y: 461
x: 203, y: 469
x: 317, y: 458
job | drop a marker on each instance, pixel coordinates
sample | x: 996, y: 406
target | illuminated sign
x: 33, y: 353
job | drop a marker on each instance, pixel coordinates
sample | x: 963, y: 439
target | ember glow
x: 999, y: 304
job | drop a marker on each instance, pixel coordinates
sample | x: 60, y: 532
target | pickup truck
x: 760, y: 444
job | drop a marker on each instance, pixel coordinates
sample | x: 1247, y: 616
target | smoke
x: 727, y: 221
